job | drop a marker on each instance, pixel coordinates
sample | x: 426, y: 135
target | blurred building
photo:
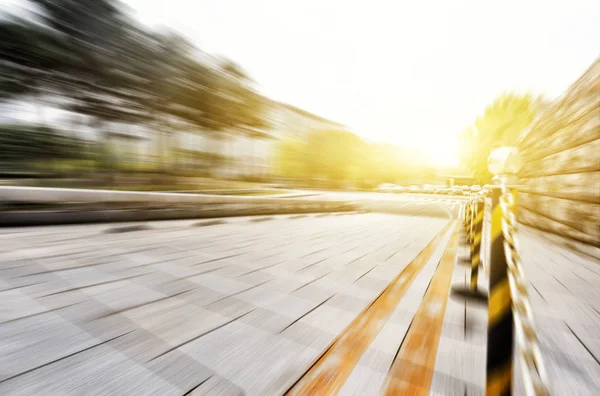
x: 129, y: 144
x: 293, y: 122
x: 236, y: 154
x: 252, y: 153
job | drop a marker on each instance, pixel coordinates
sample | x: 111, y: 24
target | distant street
x: 406, y: 203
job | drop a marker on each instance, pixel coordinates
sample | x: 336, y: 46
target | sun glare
x: 445, y: 156
x: 440, y: 149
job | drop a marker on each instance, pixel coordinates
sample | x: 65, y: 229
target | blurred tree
x: 333, y: 154
x: 89, y: 57
x: 501, y: 124
x: 205, y: 95
x: 19, y: 144
x: 31, y: 58
x: 246, y: 107
x: 234, y: 107
x: 342, y: 157
x: 387, y: 163
x: 94, y: 74
x: 291, y: 159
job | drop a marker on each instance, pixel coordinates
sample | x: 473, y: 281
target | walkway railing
x: 490, y: 222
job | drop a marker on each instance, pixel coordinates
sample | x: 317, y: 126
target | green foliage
x: 386, y: 163
x: 500, y: 125
x: 29, y: 53
x: 89, y: 57
x: 334, y: 155
x: 341, y: 157
x: 23, y: 143
x: 291, y: 158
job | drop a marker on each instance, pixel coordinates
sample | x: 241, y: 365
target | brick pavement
x: 236, y: 307
x: 246, y: 307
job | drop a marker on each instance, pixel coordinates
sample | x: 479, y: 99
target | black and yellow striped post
x: 473, y: 230
x: 500, y: 319
x: 476, y: 232
x: 467, y: 217
x: 470, y: 221
x: 473, y: 215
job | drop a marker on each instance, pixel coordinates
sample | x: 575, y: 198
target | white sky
x: 413, y: 73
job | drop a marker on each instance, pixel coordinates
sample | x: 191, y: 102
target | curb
x: 40, y: 218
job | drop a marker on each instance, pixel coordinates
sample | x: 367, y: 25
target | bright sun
x: 440, y: 149
x: 442, y: 156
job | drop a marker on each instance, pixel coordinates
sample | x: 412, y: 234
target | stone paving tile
x: 380, y: 355
x: 162, y: 290
x: 364, y: 381
x: 443, y: 384
x: 217, y: 386
x: 314, y: 293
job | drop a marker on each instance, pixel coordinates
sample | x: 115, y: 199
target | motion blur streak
x: 414, y: 364
x: 252, y: 197
x: 329, y: 373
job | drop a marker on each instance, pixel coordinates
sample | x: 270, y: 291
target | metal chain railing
x: 535, y: 376
x: 490, y: 223
x: 485, y: 245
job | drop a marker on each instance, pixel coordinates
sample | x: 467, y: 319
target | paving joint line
x: 330, y: 370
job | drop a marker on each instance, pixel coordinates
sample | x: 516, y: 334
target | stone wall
x: 561, y: 164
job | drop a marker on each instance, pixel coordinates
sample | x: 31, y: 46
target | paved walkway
x: 251, y: 305
x: 565, y: 295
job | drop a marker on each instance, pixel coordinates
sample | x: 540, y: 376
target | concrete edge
x: 39, y: 218
x: 12, y: 194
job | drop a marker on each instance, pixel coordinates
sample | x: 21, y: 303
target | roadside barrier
x: 476, y: 231
x: 10, y: 194
x: 490, y: 222
x: 467, y: 221
x: 485, y: 246
x: 108, y: 206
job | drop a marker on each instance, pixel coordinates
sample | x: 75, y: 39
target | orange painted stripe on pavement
x: 412, y: 370
x: 329, y: 373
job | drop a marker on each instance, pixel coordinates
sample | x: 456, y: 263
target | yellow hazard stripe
x: 496, y: 228
x: 477, y: 238
x: 475, y: 258
x: 479, y: 217
x: 500, y: 381
x: 474, y: 280
x: 499, y: 302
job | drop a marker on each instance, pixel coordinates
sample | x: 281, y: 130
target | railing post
x: 471, y: 217
x: 476, y: 230
x: 473, y: 228
x: 485, y: 244
x: 510, y: 318
x: 466, y: 220
x: 500, y: 319
x: 504, y: 164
